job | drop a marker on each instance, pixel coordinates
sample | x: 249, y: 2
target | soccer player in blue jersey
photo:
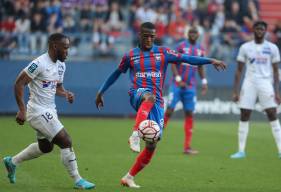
x: 147, y: 64
x: 183, y: 87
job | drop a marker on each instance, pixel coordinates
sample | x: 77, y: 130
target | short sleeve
x: 242, y: 54
x: 275, y: 57
x: 124, y: 64
x: 33, y: 69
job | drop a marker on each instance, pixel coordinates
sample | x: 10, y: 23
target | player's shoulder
x: 247, y: 44
x: 40, y: 60
x: 270, y: 44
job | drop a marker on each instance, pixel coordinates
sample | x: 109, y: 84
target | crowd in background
x: 104, y: 28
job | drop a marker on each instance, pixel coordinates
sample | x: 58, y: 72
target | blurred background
x: 101, y: 31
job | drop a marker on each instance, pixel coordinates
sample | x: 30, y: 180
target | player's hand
x: 219, y: 65
x: 277, y: 99
x: 204, y: 89
x: 20, y: 117
x: 235, y: 97
x: 70, y: 97
x: 99, y: 101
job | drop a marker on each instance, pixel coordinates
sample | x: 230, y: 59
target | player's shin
x: 188, y: 124
x: 242, y: 135
x: 143, y: 113
x: 166, y: 119
x: 69, y: 160
x: 276, y: 131
x: 30, y: 152
x: 142, y: 160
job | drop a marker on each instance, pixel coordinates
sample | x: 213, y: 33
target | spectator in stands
x: 176, y: 28
x: 160, y: 28
x: 8, y: 25
x: 114, y: 18
x: 53, y: 25
x: 55, y: 9
x: 38, y: 36
x: 86, y: 17
x: 235, y: 13
x: 102, y: 41
x: 145, y: 14
x: 22, y: 32
x: 69, y: 25
x: 277, y: 33
x: 7, y: 44
x: 219, y: 19
x: 252, y: 11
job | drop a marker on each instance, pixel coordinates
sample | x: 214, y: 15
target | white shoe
x: 134, y: 142
x: 128, y: 181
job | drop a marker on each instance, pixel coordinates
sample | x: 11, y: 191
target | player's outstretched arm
x: 174, y: 56
x: 60, y: 91
x: 22, y: 80
x: 219, y: 65
x: 109, y: 81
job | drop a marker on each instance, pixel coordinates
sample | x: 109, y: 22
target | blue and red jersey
x: 148, y: 68
x: 188, y: 72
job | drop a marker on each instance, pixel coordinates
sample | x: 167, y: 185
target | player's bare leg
x: 167, y: 116
x: 148, y: 101
x: 142, y: 160
x: 32, y: 151
x: 63, y: 140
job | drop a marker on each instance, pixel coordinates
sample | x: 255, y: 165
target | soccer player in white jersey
x: 44, y: 77
x: 261, y: 82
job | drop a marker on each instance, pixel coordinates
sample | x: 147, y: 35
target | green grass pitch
x: 104, y: 157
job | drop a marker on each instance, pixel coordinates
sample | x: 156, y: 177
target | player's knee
x: 67, y: 142
x: 151, y: 98
x: 271, y: 115
x: 188, y: 113
x: 151, y: 146
x: 245, y: 115
x: 46, y: 148
x: 169, y: 112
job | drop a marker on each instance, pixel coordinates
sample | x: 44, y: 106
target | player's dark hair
x: 147, y: 25
x: 260, y: 23
x: 55, y: 37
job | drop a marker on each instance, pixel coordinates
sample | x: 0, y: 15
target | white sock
x: 129, y: 176
x: 242, y: 135
x: 30, y: 152
x: 135, y: 134
x: 69, y: 160
x: 276, y: 131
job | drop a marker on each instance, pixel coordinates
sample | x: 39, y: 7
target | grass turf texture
x: 104, y: 157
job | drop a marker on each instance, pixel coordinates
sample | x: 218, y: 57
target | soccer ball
x: 149, y: 130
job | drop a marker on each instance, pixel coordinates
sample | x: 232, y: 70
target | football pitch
x: 104, y: 157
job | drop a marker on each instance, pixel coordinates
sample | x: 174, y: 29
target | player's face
x: 259, y: 31
x: 147, y: 37
x: 62, y: 49
x: 193, y: 34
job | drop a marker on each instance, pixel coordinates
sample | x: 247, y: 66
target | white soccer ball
x: 149, y: 130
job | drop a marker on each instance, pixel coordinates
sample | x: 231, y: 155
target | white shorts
x: 47, y: 124
x: 261, y: 91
